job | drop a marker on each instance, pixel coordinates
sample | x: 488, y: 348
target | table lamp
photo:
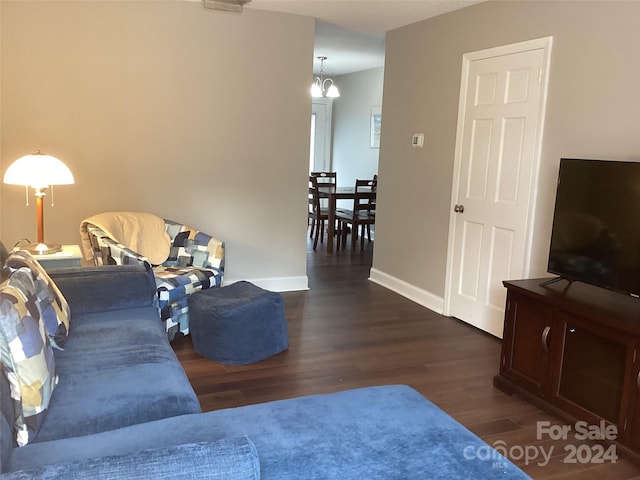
x: 39, y: 172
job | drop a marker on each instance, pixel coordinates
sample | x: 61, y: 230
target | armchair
x: 179, y: 258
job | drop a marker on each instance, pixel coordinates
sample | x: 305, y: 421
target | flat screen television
x: 596, y: 224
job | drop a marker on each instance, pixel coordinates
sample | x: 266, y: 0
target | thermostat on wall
x: 417, y: 141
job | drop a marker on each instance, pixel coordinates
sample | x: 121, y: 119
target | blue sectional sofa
x: 123, y: 408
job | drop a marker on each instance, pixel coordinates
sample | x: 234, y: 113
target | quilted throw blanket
x: 142, y: 232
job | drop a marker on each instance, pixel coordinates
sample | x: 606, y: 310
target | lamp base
x: 42, y: 248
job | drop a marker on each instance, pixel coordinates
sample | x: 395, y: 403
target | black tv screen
x: 596, y: 224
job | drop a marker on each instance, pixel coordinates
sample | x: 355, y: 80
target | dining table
x: 333, y: 193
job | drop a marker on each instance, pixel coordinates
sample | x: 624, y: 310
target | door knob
x: 458, y: 208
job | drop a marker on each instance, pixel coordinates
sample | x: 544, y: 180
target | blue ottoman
x: 237, y: 324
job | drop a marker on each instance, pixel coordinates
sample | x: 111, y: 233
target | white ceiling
x: 347, y: 51
x: 350, y: 33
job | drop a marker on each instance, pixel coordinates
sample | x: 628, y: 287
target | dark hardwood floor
x: 347, y: 332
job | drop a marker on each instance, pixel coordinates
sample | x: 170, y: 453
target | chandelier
x: 324, y: 87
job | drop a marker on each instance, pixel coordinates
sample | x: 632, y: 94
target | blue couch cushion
x: 117, y: 369
x: 232, y: 459
x: 97, y: 289
x: 386, y: 433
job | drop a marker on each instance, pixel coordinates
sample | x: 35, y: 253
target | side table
x: 70, y: 256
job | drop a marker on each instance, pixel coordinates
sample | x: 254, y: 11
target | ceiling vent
x: 225, y: 5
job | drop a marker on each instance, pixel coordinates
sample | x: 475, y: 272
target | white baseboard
x: 407, y: 290
x: 276, y: 284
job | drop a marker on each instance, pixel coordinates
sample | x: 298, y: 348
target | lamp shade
x: 38, y: 171
x: 316, y: 91
x: 333, y: 92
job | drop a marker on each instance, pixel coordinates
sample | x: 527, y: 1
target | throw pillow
x: 54, y: 307
x: 25, y: 353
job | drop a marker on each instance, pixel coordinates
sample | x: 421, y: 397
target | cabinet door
x: 593, y: 371
x: 526, y: 343
x: 633, y: 426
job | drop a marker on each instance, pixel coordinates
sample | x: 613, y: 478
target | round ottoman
x: 237, y: 324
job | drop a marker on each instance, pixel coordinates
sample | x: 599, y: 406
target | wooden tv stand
x: 573, y: 349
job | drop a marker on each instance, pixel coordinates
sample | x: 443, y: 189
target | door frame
x: 325, y: 144
x: 544, y: 43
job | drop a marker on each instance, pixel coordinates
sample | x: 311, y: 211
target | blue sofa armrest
x: 227, y: 459
x: 99, y: 289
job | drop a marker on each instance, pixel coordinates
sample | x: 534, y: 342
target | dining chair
x: 326, y: 177
x: 316, y: 214
x: 372, y: 202
x: 362, y: 215
x: 374, y: 188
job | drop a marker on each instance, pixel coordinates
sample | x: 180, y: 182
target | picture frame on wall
x: 375, y: 124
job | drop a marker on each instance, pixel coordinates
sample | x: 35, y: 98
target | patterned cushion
x: 192, y: 247
x: 175, y: 285
x: 176, y: 318
x: 25, y: 353
x: 54, y: 307
x: 174, y: 282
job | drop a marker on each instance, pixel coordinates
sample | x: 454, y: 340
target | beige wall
x: 352, y: 156
x: 593, y: 111
x: 195, y: 115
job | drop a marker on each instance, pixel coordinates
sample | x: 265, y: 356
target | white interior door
x: 500, y: 126
x: 320, y: 154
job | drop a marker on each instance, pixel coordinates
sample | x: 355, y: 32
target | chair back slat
x: 365, y: 196
x: 325, y: 180
x: 316, y: 214
x: 325, y: 177
x: 314, y: 197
